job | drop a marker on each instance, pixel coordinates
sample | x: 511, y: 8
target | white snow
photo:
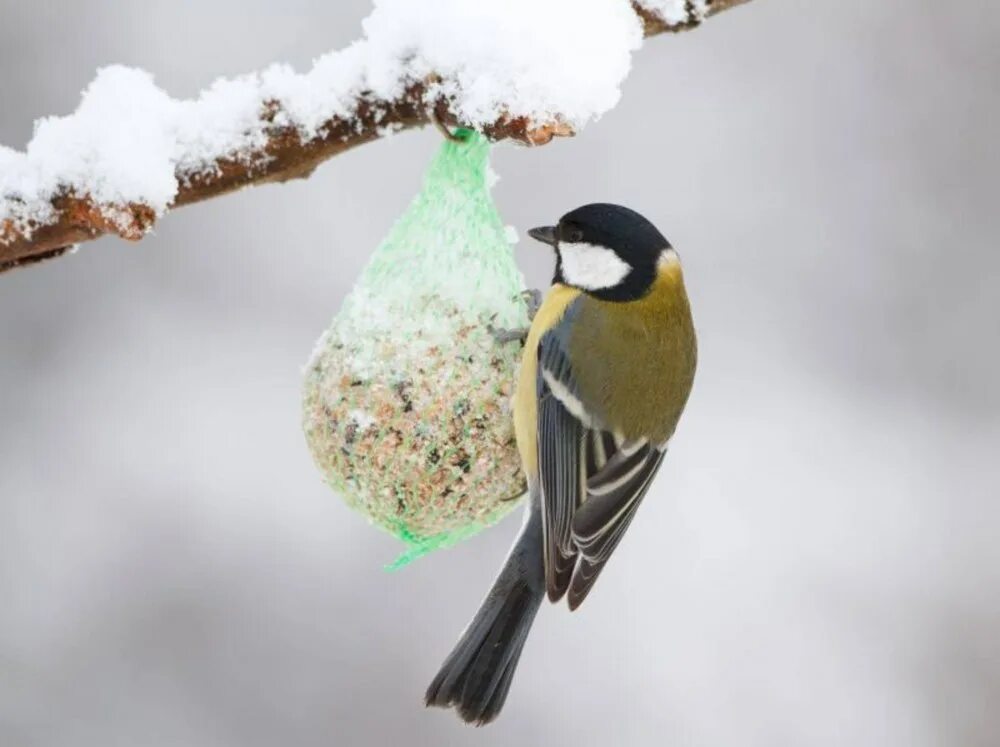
x: 536, y: 58
x: 129, y: 141
x: 675, y: 12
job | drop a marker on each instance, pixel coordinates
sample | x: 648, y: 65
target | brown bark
x: 286, y: 156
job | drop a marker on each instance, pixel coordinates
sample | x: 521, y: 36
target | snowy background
x: 818, y: 563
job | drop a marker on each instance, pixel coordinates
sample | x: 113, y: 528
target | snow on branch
x: 524, y: 70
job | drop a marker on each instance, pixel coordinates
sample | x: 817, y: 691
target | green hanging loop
x: 407, y: 397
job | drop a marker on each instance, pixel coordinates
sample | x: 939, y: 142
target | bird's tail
x: 476, y: 676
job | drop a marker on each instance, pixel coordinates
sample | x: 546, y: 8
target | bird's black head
x: 605, y: 250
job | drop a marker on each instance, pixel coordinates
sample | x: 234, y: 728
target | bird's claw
x: 510, y: 335
x: 533, y: 299
x: 503, y: 336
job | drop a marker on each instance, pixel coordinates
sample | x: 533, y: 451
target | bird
x: 608, y: 365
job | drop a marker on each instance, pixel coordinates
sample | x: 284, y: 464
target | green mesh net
x: 407, y: 395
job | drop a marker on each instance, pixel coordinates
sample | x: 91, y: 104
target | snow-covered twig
x: 130, y: 152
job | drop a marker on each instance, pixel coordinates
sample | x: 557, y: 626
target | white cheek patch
x: 591, y: 267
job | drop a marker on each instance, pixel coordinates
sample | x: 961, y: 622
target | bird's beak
x: 545, y: 234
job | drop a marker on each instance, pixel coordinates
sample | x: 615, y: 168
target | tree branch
x: 75, y: 218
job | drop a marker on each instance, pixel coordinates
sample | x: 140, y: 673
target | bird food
x: 407, y: 402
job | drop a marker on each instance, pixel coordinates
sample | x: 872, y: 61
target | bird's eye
x: 575, y: 236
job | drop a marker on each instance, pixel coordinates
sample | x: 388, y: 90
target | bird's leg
x: 533, y: 300
x: 503, y: 336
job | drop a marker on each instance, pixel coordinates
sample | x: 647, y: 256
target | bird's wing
x: 561, y: 462
x: 591, y: 481
x: 613, y: 494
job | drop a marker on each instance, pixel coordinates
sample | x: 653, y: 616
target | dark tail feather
x: 476, y: 676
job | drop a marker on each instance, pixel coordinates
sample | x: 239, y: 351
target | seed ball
x: 416, y: 433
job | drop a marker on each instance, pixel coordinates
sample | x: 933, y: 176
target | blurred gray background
x: 819, y: 562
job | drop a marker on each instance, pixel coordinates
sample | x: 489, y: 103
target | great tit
x: 608, y: 364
